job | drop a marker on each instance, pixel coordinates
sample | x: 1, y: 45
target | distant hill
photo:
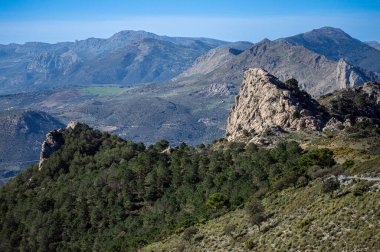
x: 128, y: 57
x: 335, y: 44
x: 21, y: 134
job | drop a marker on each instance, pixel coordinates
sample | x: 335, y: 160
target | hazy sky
x: 251, y: 20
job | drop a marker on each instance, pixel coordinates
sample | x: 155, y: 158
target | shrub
x: 180, y: 247
x: 189, y: 233
x: 348, y: 163
x: 250, y: 244
x: 216, y: 200
x: 360, y: 188
x: 256, y: 212
x: 321, y: 157
x: 228, y: 229
x: 302, y: 181
x: 292, y: 84
x: 330, y: 185
x: 286, y: 181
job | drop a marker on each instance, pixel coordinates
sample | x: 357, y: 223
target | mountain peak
x: 335, y: 44
x: 329, y: 29
x: 130, y: 35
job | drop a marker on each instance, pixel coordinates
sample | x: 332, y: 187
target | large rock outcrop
x: 54, y: 141
x: 351, y: 76
x: 266, y: 105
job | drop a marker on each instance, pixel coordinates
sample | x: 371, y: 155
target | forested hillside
x: 101, y: 192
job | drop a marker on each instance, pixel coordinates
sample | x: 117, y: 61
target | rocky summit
x: 266, y: 105
x: 54, y: 141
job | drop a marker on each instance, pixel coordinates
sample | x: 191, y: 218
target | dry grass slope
x: 302, y: 219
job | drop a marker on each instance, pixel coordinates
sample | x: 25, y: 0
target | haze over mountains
x: 128, y: 57
x: 179, y: 89
x: 318, y: 71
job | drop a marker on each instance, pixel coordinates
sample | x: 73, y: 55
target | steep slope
x: 335, y: 44
x: 266, y: 105
x: 354, y: 104
x: 315, y: 73
x: 21, y: 134
x: 38, y: 66
x: 214, y: 59
x: 266, y: 108
x: 299, y: 219
x: 99, y: 192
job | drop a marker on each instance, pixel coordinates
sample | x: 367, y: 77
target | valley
x: 188, y: 105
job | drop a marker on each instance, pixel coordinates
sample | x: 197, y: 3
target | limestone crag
x: 54, y: 140
x: 266, y: 104
x: 74, y: 125
x: 350, y: 76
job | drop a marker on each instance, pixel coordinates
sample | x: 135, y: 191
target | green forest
x: 102, y: 193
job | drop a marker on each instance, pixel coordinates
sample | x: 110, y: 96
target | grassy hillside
x: 299, y: 219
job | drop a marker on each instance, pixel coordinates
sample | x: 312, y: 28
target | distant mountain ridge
x: 134, y: 57
x: 124, y: 58
x: 335, y: 44
x: 316, y: 73
x: 193, y: 107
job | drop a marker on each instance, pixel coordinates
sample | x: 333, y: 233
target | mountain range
x: 128, y: 58
x: 310, y: 189
x: 317, y: 70
x: 146, y: 87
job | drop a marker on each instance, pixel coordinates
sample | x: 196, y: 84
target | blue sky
x: 251, y: 20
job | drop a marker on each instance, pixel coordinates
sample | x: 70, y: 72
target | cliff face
x: 350, y: 76
x: 54, y: 141
x: 266, y: 105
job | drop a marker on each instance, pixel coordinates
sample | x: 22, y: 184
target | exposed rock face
x: 48, y: 63
x: 333, y: 124
x: 54, y: 140
x: 265, y: 104
x: 74, y: 125
x: 350, y: 76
